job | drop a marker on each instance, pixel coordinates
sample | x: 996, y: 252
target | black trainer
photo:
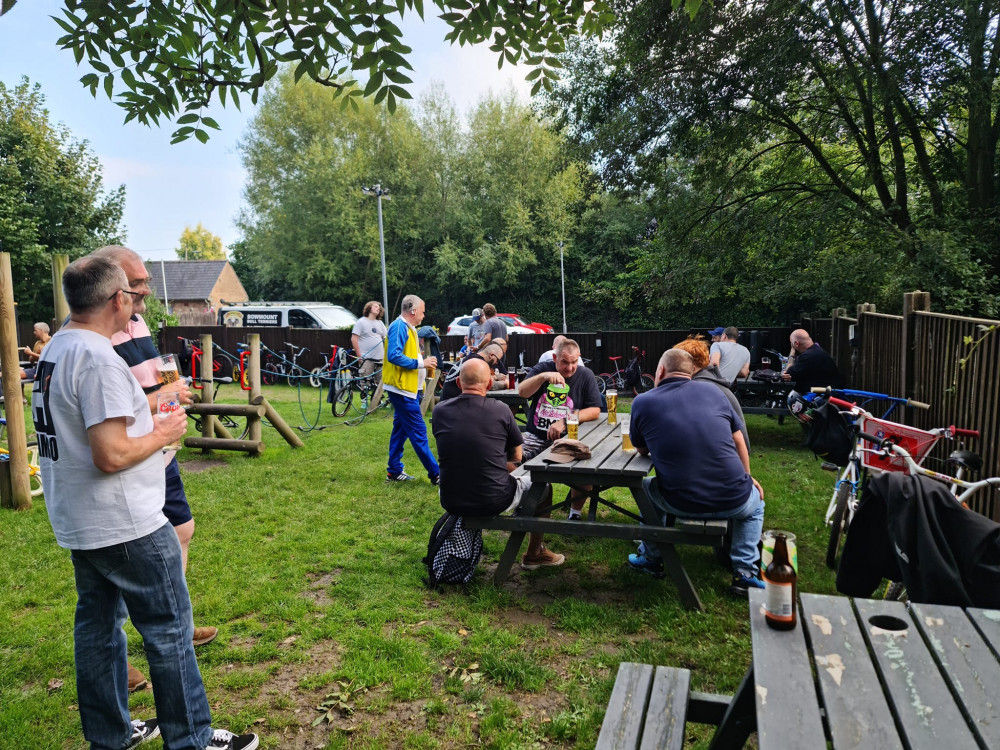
x: 143, y: 730
x: 223, y: 739
x: 400, y: 477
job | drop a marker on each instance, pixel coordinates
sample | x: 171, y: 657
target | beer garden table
x: 513, y: 399
x: 869, y: 673
x: 608, y: 467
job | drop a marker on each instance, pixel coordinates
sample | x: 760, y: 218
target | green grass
x: 310, y: 566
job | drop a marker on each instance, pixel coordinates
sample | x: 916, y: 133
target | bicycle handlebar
x: 827, y: 390
x: 964, y: 433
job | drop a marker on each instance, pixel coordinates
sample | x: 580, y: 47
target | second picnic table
x: 608, y: 467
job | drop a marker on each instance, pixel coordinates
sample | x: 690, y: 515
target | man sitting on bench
x: 479, y: 444
x: 684, y: 427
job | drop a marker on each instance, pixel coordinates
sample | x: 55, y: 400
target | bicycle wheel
x: 343, y: 399
x: 316, y: 376
x: 645, y: 384
x: 608, y: 379
x: 838, y: 524
x: 239, y: 427
x: 602, y: 384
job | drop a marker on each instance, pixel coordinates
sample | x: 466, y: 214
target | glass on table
x: 612, y: 398
x: 627, y: 437
x: 573, y: 425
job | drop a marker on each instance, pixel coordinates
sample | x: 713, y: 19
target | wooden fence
x: 919, y: 355
x: 597, y: 347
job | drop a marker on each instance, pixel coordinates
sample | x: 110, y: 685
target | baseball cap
x: 477, y: 313
x: 565, y: 450
x: 717, y: 331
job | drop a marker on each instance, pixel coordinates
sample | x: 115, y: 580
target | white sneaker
x: 223, y: 739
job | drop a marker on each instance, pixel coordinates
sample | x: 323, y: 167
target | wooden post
x: 281, y: 426
x: 913, y: 302
x: 17, y: 438
x: 255, y: 395
x: 59, y: 263
x: 206, y: 376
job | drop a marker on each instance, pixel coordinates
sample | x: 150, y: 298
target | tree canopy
x: 173, y: 58
x: 475, y: 208
x: 847, y: 147
x: 200, y: 244
x: 52, y: 197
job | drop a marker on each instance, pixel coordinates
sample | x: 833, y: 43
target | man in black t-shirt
x: 479, y: 444
x: 810, y: 366
x: 490, y: 354
x: 556, y: 388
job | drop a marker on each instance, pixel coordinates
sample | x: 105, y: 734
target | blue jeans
x: 408, y: 424
x: 748, y: 523
x: 147, y: 574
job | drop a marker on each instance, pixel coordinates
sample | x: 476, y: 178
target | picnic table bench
x: 763, y: 397
x: 650, y: 706
x: 609, y: 466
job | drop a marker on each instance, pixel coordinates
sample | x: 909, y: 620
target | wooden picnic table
x: 871, y: 673
x: 609, y: 466
x: 518, y: 404
x: 762, y: 397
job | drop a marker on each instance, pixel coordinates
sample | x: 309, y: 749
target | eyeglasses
x: 134, y: 294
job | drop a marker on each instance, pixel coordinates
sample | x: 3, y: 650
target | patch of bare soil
x: 198, y: 465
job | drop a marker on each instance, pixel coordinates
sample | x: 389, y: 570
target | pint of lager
x: 612, y: 397
x: 168, y: 369
x: 573, y: 425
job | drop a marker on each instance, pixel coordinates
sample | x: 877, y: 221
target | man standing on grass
x: 401, y: 378
x: 135, y: 345
x: 479, y: 443
x: 684, y: 427
x: 101, y: 458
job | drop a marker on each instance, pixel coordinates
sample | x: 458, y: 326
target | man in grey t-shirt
x: 101, y: 460
x: 477, y: 330
x: 368, y: 338
x: 731, y: 356
x: 496, y: 329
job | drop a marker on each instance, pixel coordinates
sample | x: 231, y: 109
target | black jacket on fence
x: 911, y: 529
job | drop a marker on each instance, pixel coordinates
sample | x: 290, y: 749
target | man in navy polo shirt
x: 693, y: 436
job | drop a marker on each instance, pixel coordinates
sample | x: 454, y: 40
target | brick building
x: 193, y: 289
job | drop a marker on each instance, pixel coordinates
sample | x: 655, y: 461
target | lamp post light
x: 562, y: 276
x: 379, y: 193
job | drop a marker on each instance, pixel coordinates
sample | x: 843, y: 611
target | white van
x: 286, y: 315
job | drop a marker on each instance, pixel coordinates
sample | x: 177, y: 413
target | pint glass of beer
x: 168, y: 368
x: 612, y: 397
x: 573, y: 425
x: 167, y: 402
x: 626, y: 437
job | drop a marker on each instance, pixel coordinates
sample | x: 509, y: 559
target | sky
x: 168, y: 188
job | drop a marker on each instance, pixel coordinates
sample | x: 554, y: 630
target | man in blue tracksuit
x: 401, y: 378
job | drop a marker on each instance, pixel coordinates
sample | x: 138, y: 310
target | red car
x: 517, y: 320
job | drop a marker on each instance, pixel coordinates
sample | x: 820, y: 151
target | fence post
x: 913, y: 302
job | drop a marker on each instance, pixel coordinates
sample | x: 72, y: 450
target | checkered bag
x: 452, y: 552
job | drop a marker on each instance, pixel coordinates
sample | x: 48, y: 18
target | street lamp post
x: 562, y: 276
x: 379, y: 193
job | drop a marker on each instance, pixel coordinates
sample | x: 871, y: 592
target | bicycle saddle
x: 966, y: 459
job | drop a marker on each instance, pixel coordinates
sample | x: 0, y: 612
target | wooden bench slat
x: 704, y: 536
x: 623, y: 719
x: 667, y: 711
x: 917, y: 694
x: 856, y: 709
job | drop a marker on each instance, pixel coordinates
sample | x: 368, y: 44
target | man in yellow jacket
x: 401, y: 378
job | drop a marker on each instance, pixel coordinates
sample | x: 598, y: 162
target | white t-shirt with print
x: 84, y: 382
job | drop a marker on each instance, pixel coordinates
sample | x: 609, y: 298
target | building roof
x: 186, y: 279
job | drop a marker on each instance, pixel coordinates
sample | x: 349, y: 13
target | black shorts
x: 175, y: 503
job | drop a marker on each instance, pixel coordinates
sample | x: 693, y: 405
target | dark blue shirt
x: 688, y: 427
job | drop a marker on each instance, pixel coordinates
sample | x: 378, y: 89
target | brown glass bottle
x: 780, y: 586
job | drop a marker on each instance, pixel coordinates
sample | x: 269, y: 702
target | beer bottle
x: 780, y: 585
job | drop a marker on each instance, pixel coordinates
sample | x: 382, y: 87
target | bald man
x: 479, y: 444
x: 810, y: 366
x: 685, y: 426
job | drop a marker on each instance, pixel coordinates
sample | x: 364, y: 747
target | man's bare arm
x: 530, y: 386
x: 113, y: 450
x: 590, y: 414
x: 715, y: 357
x: 745, y: 370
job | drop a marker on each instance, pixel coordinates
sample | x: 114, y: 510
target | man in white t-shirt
x: 368, y: 338
x: 100, y: 453
x: 550, y: 355
x: 731, y: 356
